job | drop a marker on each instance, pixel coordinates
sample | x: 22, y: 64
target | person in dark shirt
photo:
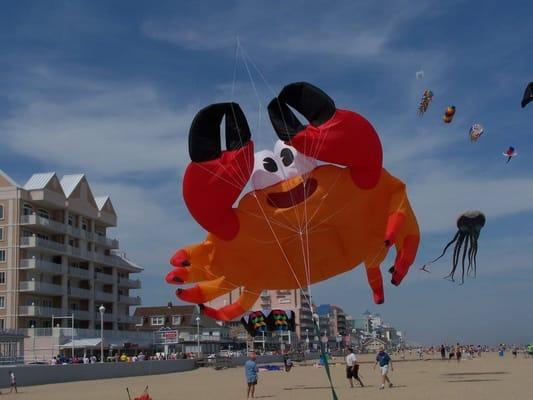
x: 385, y: 363
x: 442, y: 352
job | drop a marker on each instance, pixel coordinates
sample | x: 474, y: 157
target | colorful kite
x: 424, y: 103
x: 255, y: 323
x: 510, y: 153
x: 476, y: 131
x: 281, y: 321
x: 469, y: 227
x: 304, y: 221
x: 448, y: 114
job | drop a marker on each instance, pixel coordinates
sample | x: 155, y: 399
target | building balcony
x: 108, y: 317
x: 38, y: 311
x: 105, y: 241
x: 44, y: 223
x: 127, y: 319
x: 41, y: 266
x: 106, y: 278
x: 103, y: 296
x: 129, y: 283
x: 79, y: 273
x: 81, y: 314
x: 106, y: 260
x: 40, y: 287
x: 79, y: 293
x: 129, y: 300
x: 34, y: 241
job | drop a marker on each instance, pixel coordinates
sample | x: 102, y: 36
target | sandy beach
x: 489, y: 377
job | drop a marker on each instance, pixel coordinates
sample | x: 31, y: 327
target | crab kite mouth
x: 293, y: 197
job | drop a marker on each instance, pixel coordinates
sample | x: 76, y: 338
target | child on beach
x: 385, y: 362
x: 250, y: 369
x: 13, y: 382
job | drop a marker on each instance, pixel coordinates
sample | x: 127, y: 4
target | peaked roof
x: 70, y: 182
x: 100, y: 201
x: 39, y: 181
x: 8, y: 178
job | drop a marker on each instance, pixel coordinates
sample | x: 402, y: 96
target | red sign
x: 170, y: 335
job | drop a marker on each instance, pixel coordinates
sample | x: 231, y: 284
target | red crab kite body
x: 303, y: 222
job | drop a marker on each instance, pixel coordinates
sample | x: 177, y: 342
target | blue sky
x: 109, y: 88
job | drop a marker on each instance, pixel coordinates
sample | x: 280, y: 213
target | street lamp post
x: 307, y: 339
x: 33, y: 334
x: 198, y: 337
x: 102, y: 311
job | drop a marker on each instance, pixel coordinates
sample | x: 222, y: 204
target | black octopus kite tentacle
x: 471, y: 265
x: 423, y: 268
x: 474, y: 256
x: 465, y: 250
x: 456, y: 254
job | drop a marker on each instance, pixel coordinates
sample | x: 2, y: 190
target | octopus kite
x: 469, y: 227
x: 303, y: 221
x: 424, y: 103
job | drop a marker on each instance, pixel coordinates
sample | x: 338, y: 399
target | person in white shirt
x: 352, y: 368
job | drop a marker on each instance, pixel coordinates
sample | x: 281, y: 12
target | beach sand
x: 485, y: 378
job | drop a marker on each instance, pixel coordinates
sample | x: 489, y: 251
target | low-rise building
x: 187, y: 325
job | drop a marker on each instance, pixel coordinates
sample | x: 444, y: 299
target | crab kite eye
x: 269, y: 164
x: 287, y: 157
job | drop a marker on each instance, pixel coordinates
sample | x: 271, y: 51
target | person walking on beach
x: 385, y: 362
x: 352, y: 368
x: 250, y: 369
x: 442, y: 352
x: 458, y: 353
x: 13, y: 382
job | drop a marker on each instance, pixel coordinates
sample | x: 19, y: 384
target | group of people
x: 383, y: 360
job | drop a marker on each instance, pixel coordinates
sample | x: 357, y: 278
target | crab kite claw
x: 215, y: 178
x: 332, y: 135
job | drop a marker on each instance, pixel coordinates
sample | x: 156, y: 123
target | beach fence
x: 29, y: 375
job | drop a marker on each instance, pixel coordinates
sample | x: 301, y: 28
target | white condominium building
x: 56, y: 258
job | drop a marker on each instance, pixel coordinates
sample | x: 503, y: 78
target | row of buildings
x: 63, y: 278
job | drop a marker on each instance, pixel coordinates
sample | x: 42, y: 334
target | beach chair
x: 143, y: 396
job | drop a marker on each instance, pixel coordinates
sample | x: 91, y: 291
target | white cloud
x: 346, y: 29
x: 100, y: 127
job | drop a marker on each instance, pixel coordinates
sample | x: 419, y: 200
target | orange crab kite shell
x: 302, y: 223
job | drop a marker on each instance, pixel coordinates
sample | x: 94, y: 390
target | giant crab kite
x: 320, y: 203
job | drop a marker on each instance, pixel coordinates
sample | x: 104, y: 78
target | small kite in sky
x: 424, y: 103
x: 448, y: 114
x: 528, y: 95
x: 476, y: 131
x: 510, y: 153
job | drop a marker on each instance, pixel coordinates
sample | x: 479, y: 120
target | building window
x: 1, y: 233
x: 2, y: 278
x: 176, y: 320
x: 2, y: 255
x: 1, y: 211
x: 41, y: 212
x: 158, y: 321
x: 27, y: 209
x: 2, y: 324
x: 2, y: 302
x: 84, y: 224
x: 71, y: 220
